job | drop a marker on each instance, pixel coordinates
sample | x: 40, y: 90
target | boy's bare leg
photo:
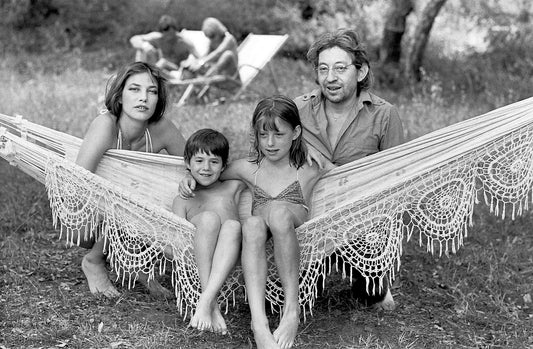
x: 224, y: 259
x: 254, y: 264
x: 287, y: 256
x: 93, y: 266
x: 205, y: 240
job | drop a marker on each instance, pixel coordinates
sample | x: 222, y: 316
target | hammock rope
x: 363, y: 210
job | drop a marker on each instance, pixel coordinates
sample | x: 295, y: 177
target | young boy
x: 214, y: 212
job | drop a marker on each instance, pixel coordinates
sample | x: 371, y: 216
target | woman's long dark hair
x: 116, y: 84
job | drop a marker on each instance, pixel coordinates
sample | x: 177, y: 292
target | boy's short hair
x: 208, y: 141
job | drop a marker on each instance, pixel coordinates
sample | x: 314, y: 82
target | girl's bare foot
x: 287, y: 330
x: 98, y: 279
x: 263, y: 338
x: 201, y: 319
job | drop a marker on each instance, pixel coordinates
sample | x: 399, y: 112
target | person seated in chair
x: 222, y: 57
x: 166, y: 47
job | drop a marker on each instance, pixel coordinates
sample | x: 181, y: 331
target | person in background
x: 166, y: 47
x: 222, y: 57
x: 135, y: 102
x: 343, y: 121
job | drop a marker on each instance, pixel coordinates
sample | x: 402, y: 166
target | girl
x: 281, y: 182
x: 135, y: 100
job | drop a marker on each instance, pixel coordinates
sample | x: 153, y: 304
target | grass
x: 478, y: 298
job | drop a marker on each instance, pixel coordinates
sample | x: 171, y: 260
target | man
x: 342, y: 120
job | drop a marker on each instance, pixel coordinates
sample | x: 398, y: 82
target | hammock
x: 362, y: 210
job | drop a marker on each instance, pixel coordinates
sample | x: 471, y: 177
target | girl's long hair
x: 264, y: 118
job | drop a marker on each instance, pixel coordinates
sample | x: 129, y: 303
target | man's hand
x: 315, y: 155
x: 186, y: 187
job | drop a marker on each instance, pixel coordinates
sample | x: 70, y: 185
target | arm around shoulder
x: 238, y: 169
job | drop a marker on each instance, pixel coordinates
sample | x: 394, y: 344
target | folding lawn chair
x: 200, y: 42
x: 255, y: 52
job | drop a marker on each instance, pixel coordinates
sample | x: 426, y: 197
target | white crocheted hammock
x: 363, y: 210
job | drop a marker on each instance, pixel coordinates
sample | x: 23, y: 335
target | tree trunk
x: 420, y: 38
x: 390, y: 50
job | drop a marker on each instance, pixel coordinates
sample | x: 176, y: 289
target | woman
x: 135, y: 100
x: 222, y: 58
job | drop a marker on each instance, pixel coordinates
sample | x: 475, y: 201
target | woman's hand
x: 186, y: 187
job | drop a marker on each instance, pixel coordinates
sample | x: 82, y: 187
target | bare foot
x: 219, y: 324
x: 287, y: 330
x: 155, y: 288
x: 387, y: 303
x: 264, y: 339
x: 201, y: 319
x: 98, y: 279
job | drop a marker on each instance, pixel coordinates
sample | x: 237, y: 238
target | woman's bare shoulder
x: 102, y: 125
x: 164, y: 127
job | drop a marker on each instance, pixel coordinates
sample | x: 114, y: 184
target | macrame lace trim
x: 367, y: 233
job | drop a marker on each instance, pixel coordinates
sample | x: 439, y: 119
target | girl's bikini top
x: 147, y: 137
x: 292, y: 194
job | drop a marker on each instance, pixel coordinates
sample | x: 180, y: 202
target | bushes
x: 61, y: 25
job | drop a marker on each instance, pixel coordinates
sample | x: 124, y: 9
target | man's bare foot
x: 98, y: 279
x: 155, y: 288
x: 387, y: 303
x: 287, y: 329
x: 201, y: 320
x: 263, y: 338
x: 219, y: 324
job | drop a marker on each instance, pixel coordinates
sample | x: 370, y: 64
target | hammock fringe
x: 360, y: 213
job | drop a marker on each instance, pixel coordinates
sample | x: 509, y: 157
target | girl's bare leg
x: 282, y: 222
x: 254, y: 264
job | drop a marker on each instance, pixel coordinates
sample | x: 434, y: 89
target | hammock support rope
x: 363, y: 210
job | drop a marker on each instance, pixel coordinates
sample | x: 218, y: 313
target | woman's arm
x: 98, y: 139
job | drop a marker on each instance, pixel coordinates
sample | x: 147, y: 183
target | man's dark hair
x: 347, y: 40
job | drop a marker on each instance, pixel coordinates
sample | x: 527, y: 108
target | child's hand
x: 186, y: 187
